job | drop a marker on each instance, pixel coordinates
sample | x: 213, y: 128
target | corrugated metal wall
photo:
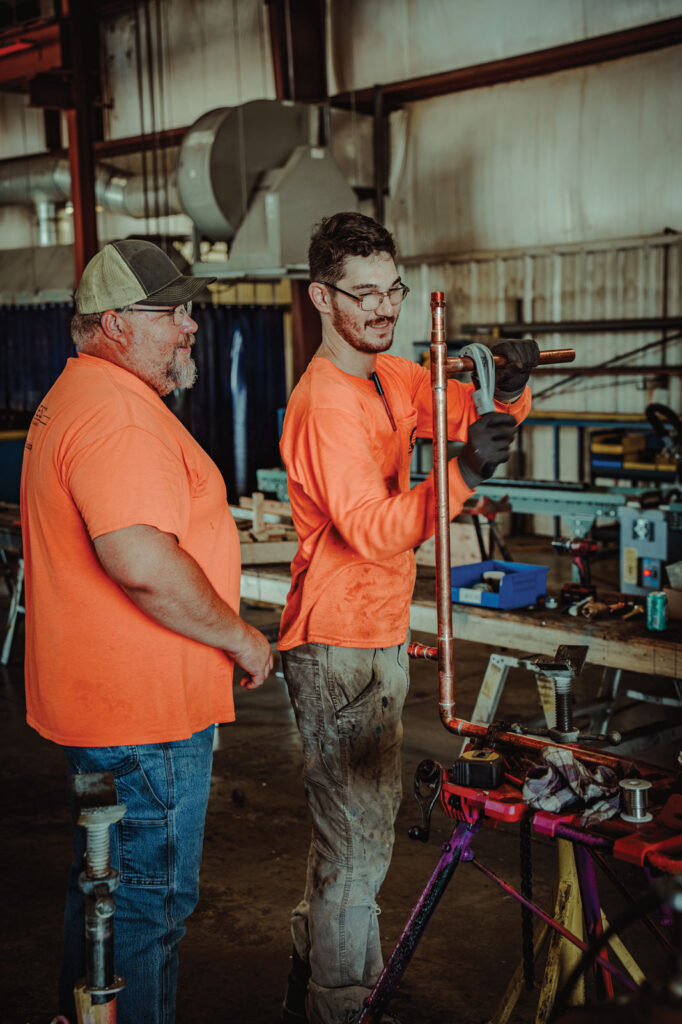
x: 618, y: 280
x: 575, y: 156
x: 502, y: 197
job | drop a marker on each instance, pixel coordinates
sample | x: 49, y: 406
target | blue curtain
x: 232, y: 409
x: 34, y: 345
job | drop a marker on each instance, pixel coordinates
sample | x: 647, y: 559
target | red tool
x: 580, y: 549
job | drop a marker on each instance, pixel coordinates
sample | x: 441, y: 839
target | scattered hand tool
x: 597, y: 609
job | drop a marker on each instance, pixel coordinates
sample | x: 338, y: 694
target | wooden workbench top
x: 612, y: 642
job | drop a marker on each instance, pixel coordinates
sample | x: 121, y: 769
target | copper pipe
x: 463, y: 364
x: 415, y: 650
x: 446, y: 654
x: 520, y: 743
x: 439, y: 384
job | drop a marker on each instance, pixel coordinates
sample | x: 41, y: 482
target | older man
x: 347, y: 442
x: 132, y: 597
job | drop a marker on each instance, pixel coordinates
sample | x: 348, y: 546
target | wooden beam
x: 268, y: 552
x: 275, y: 508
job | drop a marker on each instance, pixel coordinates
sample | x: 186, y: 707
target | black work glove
x: 522, y: 356
x: 487, y: 446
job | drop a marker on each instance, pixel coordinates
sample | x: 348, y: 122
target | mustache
x: 380, y: 319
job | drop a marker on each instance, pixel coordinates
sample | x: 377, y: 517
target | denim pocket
x: 143, y: 831
x: 143, y: 852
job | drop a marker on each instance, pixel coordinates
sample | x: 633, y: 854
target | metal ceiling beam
x: 27, y: 51
x: 600, y: 48
x: 642, y: 39
x: 299, y: 62
x: 299, y: 51
x: 57, y: 62
x: 80, y: 38
x: 105, y: 149
x: 39, y: 50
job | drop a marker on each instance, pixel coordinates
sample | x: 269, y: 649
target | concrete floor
x: 234, y: 959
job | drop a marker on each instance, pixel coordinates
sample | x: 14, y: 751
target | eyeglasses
x: 372, y: 300
x: 179, y: 313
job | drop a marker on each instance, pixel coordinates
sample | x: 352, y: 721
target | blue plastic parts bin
x: 522, y: 585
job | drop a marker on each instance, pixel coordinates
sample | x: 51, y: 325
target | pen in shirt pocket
x: 380, y: 391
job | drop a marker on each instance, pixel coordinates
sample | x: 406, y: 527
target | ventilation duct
x: 252, y: 176
x: 224, y: 154
x: 46, y: 180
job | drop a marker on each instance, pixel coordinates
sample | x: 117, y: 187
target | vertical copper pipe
x: 439, y: 384
x: 446, y: 652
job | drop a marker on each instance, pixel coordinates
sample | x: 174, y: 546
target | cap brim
x: 182, y: 289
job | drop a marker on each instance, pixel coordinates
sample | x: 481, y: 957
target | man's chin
x: 184, y: 375
x: 382, y: 344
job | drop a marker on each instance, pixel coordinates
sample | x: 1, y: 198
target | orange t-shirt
x: 103, y: 452
x: 348, y: 475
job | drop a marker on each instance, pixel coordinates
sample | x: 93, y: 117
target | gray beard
x: 181, y: 375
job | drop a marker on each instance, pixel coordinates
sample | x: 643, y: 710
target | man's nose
x: 385, y: 303
x: 188, y: 325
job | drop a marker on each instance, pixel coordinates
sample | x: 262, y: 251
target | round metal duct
x: 226, y: 151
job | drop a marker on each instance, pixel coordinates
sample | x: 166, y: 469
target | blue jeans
x: 156, y: 848
x: 348, y: 705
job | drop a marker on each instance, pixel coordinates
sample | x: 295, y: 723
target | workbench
x: 614, y: 645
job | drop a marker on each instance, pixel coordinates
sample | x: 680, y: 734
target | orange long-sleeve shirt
x: 357, y: 520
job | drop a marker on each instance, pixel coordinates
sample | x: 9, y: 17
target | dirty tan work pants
x: 348, y: 704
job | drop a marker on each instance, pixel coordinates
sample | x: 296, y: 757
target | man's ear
x: 320, y: 297
x: 112, y: 326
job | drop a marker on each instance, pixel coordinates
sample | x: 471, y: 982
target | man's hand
x: 522, y: 357
x: 487, y: 446
x: 254, y: 655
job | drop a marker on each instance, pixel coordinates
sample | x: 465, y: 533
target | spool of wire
x: 635, y: 800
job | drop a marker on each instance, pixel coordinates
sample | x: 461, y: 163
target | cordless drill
x: 580, y: 549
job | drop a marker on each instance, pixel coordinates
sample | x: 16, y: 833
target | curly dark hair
x: 340, y: 236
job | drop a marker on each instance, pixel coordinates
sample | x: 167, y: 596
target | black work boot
x: 293, y: 1008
